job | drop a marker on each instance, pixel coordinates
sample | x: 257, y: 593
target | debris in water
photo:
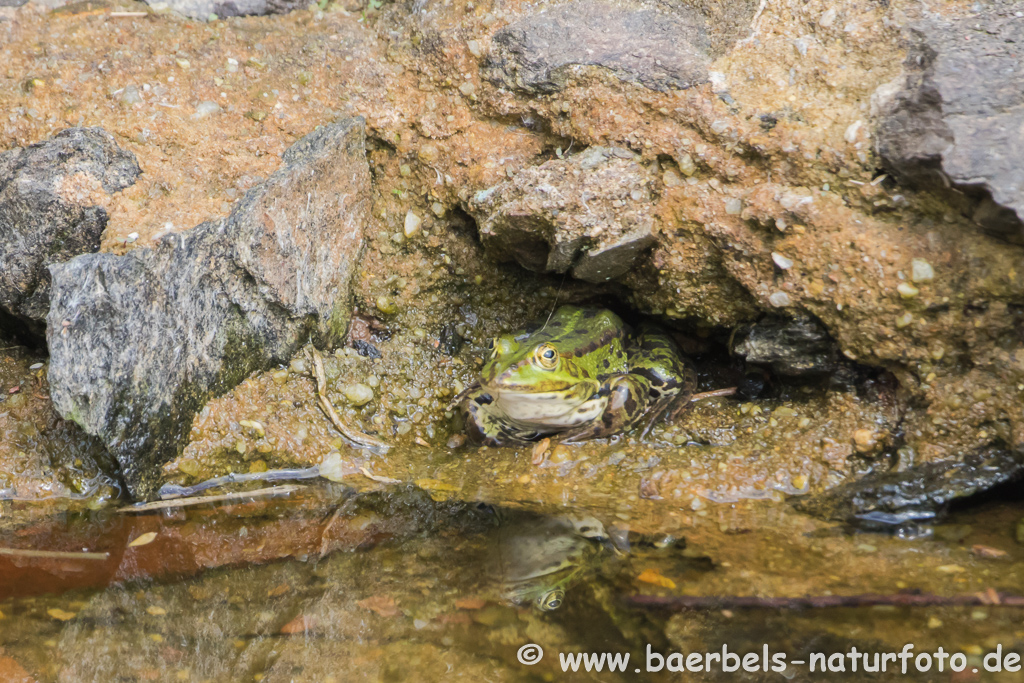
x: 144, y: 539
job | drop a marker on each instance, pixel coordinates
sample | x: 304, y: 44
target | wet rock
x: 51, y: 209
x: 204, y: 9
x: 591, y: 213
x: 920, y: 492
x: 791, y: 346
x: 959, y: 112
x: 659, y: 49
x: 140, y: 342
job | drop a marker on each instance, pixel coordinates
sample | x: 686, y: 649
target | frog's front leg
x: 486, y: 423
x: 628, y: 399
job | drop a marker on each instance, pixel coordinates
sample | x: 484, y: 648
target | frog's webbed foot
x: 486, y: 425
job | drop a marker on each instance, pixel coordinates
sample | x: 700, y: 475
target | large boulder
x: 52, y: 197
x: 957, y: 115
x: 140, y: 342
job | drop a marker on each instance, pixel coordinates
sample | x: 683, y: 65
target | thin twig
x: 376, y: 477
x: 129, y: 14
x: 350, y: 433
x: 199, y: 500
x: 711, y: 394
x: 53, y: 554
x: 681, y: 603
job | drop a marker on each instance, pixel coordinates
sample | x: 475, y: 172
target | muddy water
x: 326, y: 583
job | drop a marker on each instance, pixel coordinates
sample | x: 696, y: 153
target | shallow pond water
x: 326, y: 583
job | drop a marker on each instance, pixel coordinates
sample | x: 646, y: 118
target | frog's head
x: 521, y: 365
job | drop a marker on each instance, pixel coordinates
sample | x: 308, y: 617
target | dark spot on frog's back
x: 483, y: 399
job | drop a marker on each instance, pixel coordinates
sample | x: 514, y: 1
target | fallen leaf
x: 381, y: 604
x: 278, y: 590
x: 470, y: 603
x: 988, y: 552
x: 60, y: 615
x: 539, y: 449
x: 144, y: 539
x: 653, y: 576
x: 155, y: 611
x: 300, y: 624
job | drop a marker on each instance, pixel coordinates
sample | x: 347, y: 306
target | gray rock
x: 49, y: 213
x: 139, y: 343
x: 959, y: 116
x: 791, y: 346
x: 591, y: 213
x: 888, y: 499
x: 657, y: 48
x: 204, y: 9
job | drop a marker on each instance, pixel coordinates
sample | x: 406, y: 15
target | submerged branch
x: 681, y: 603
x: 53, y: 554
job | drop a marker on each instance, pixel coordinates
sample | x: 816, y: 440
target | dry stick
x: 350, y: 433
x: 711, y: 394
x: 199, y: 500
x: 693, y: 602
x: 53, y: 554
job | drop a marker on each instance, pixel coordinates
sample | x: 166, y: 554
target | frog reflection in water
x: 540, y: 559
x: 584, y: 374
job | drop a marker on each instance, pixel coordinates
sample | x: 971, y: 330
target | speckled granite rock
x: 204, y: 9
x: 591, y: 213
x: 51, y: 209
x: 140, y: 342
x: 657, y: 48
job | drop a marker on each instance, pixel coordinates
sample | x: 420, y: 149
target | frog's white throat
x: 549, y: 409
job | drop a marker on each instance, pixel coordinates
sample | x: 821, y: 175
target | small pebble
x: 781, y: 261
x: 921, y: 270
x: 907, y: 290
x: 733, y: 206
x: 779, y: 299
x: 358, y: 394
x: 904, y: 320
x: 413, y: 223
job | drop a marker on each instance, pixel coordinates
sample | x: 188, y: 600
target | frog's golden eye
x: 546, y: 356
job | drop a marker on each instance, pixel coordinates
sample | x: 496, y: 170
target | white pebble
x: 779, y: 299
x: 921, y: 270
x: 907, y: 290
x: 733, y: 206
x: 781, y: 261
x: 413, y: 223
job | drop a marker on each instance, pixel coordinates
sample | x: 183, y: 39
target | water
x: 328, y: 584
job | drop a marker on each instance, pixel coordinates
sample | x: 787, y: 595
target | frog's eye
x: 546, y: 356
x: 551, y: 600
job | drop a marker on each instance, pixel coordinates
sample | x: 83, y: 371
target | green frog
x: 583, y: 374
x: 540, y: 559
